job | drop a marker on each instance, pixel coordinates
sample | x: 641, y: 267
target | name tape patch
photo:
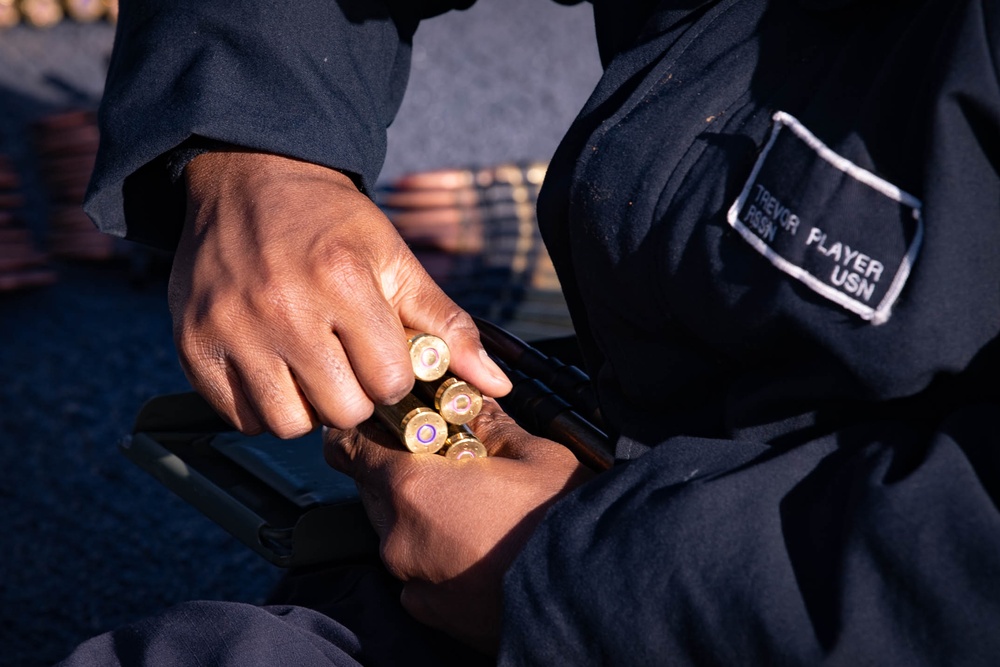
x: 848, y: 234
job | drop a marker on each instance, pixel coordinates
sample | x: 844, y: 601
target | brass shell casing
x: 84, y: 11
x: 463, y: 444
x: 458, y: 401
x: 10, y: 15
x: 42, y: 13
x: 429, y: 355
x: 419, y: 428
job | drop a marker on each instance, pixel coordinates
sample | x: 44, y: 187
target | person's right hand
x: 289, y: 293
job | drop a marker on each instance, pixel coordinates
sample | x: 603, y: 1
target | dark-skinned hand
x: 290, y: 291
x: 451, y: 529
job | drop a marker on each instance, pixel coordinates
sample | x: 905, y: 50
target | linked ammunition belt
x: 549, y: 399
x: 431, y: 419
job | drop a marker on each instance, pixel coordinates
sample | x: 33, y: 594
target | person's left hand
x: 450, y: 529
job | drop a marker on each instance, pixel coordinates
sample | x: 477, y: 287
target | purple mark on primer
x: 461, y: 404
x: 429, y: 357
x: 426, y: 433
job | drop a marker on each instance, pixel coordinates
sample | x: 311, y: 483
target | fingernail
x: 493, y: 369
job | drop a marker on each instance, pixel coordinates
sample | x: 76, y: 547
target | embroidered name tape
x: 840, y: 229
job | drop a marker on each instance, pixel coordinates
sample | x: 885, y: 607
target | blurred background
x: 89, y: 542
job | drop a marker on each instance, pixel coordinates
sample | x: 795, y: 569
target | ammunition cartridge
x: 42, y: 13
x: 420, y: 429
x: 10, y: 15
x: 84, y: 11
x: 111, y: 7
x: 462, y: 444
x: 429, y: 355
x: 458, y: 401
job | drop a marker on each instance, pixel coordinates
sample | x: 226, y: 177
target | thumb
x: 425, y: 307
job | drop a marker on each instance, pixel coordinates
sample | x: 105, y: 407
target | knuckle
x: 198, y: 349
x: 410, y: 488
x: 391, y: 384
x: 348, y: 413
x: 337, y: 399
x: 342, y: 271
x: 339, y: 448
x: 460, y: 324
x: 281, y: 302
x: 292, y: 427
x: 394, y: 552
x: 249, y: 427
x: 493, y: 423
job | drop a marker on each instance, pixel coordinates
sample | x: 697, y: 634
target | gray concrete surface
x: 87, y: 541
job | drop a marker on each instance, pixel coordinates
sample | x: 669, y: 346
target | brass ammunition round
x: 10, y: 15
x: 428, y: 200
x: 24, y: 279
x: 463, y: 444
x: 13, y: 235
x: 419, y: 428
x: 11, y: 200
x: 111, y: 7
x: 458, y: 401
x: 84, y: 11
x: 42, y: 13
x: 424, y: 431
x: 71, y: 163
x: 65, y: 119
x: 438, y: 179
x: 535, y: 172
x: 429, y: 356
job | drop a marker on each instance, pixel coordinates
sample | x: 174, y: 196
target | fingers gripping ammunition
x: 429, y: 355
x: 462, y: 444
x: 420, y: 429
x: 456, y: 400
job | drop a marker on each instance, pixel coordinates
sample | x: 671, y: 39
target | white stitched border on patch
x: 877, y: 315
x: 843, y: 164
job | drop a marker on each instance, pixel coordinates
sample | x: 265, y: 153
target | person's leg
x: 365, y: 598
x: 226, y: 634
x: 343, y: 616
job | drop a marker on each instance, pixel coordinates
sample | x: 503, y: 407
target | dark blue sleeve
x: 874, y: 540
x: 877, y: 544
x: 315, y: 80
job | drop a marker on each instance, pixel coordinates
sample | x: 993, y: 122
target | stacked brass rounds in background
x: 10, y: 15
x: 67, y: 147
x: 475, y: 232
x: 42, y: 13
x: 47, y: 13
x: 21, y: 264
x: 85, y: 11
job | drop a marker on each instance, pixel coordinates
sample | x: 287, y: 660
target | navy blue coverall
x: 777, y: 224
